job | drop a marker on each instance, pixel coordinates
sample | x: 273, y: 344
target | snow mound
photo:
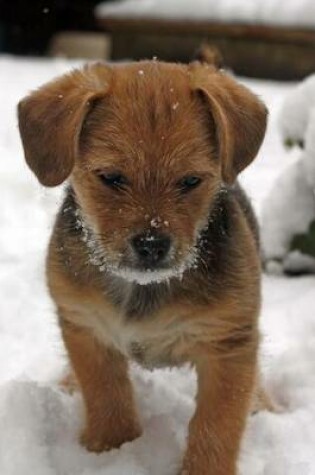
x: 289, y: 208
x: 296, y: 110
x: 42, y: 424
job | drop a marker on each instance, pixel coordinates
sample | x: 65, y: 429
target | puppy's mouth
x: 154, y: 260
x: 135, y: 272
x: 148, y: 276
x: 150, y: 259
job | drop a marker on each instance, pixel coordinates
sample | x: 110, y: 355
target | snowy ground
x: 39, y: 423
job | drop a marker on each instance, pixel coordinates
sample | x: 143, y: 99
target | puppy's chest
x: 162, y: 340
x: 138, y: 328
x: 150, y: 330
x: 137, y: 302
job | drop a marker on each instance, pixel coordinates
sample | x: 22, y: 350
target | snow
x: 290, y: 206
x: 296, y: 110
x: 39, y: 423
x: 269, y: 12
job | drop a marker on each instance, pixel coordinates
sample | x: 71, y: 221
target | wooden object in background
x: 250, y: 50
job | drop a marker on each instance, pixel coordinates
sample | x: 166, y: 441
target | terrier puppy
x: 154, y: 254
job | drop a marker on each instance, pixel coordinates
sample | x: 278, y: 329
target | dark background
x: 34, y: 27
x: 26, y: 27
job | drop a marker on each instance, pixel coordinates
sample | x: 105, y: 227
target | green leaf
x: 289, y: 143
x: 305, y: 243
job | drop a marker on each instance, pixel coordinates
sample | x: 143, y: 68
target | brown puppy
x: 154, y: 254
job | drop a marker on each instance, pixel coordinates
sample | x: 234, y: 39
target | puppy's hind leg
x: 69, y: 383
x: 262, y: 401
x: 102, y: 374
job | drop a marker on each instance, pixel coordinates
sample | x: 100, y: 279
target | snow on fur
x: 39, y: 424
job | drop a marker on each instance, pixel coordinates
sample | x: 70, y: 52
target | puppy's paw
x: 262, y: 402
x: 194, y: 464
x: 189, y: 468
x: 69, y: 383
x: 97, y: 442
x: 94, y: 444
x: 202, y: 471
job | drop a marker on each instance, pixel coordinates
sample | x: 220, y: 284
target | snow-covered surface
x: 296, y: 110
x: 290, y: 206
x: 39, y: 423
x: 269, y: 12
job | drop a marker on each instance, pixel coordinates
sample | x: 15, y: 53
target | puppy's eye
x: 189, y: 183
x: 113, y: 180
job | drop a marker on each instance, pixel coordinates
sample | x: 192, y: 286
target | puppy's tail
x: 210, y: 55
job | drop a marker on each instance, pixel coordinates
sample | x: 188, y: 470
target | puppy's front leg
x: 225, y: 388
x: 102, y: 374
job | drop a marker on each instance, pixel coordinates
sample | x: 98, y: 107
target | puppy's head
x: 146, y: 146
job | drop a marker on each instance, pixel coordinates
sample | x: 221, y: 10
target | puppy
x: 154, y: 254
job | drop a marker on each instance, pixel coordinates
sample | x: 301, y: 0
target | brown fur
x: 154, y: 123
x: 209, y: 54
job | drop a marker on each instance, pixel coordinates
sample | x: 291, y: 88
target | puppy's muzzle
x: 151, y: 250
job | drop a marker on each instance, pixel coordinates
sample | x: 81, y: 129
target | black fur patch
x: 146, y: 300
x: 136, y: 300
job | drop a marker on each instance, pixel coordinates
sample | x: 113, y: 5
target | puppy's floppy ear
x: 51, y: 119
x: 240, y: 118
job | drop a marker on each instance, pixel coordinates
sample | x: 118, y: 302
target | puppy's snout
x: 151, y: 249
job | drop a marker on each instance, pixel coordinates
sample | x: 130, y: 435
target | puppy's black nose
x: 151, y: 249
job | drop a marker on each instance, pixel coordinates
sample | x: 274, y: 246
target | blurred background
x: 257, y: 38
